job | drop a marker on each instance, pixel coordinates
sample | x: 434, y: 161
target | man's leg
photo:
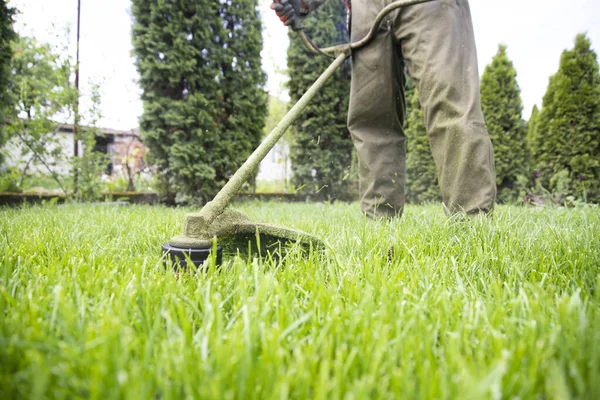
x: 438, y: 46
x: 376, y: 114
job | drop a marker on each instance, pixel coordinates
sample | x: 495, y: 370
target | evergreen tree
x: 532, y: 129
x: 502, y: 109
x: 421, y: 175
x: 244, y: 102
x: 409, y: 92
x: 204, y: 102
x: 7, y: 35
x: 321, y: 149
x: 566, y: 147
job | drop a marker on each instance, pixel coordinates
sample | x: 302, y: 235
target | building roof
x: 68, y: 128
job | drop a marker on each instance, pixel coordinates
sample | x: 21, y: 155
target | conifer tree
x: 7, y: 35
x: 204, y: 101
x: 566, y: 147
x: 244, y: 102
x: 421, y: 176
x: 532, y: 129
x: 409, y: 92
x: 321, y: 149
x: 502, y: 109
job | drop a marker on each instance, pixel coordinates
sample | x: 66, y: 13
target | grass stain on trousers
x: 435, y: 43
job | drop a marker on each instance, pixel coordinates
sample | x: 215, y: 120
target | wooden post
x: 76, y: 107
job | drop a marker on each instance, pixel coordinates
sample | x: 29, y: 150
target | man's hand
x: 290, y: 12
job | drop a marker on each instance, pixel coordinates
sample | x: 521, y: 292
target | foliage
x: 204, y: 102
x: 143, y: 182
x: 130, y: 162
x: 91, y: 166
x: 567, y: 134
x: 39, y: 182
x: 276, y: 111
x: 7, y: 35
x: 274, y: 186
x: 9, y: 180
x: 44, y: 95
x: 40, y: 85
x: 502, y: 109
x: 482, y: 310
x: 421, y: 176
x: 321, y: 150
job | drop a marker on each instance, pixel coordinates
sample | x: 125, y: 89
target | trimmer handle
x: 296, y: 25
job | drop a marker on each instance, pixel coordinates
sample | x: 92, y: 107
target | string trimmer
x: 216, y: 229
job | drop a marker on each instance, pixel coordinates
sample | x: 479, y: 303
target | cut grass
x: 502, y: 308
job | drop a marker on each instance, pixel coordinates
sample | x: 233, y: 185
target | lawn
x: 501, y: 308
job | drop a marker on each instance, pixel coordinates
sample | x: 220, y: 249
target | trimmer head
x: 178, y: 256
x: 234, y: 234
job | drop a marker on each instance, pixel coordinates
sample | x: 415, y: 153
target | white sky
x: 535, y: 31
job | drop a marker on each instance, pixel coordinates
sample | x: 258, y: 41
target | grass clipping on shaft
x: 237, y: 233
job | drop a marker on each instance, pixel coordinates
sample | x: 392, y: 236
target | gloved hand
x: 291, y: 12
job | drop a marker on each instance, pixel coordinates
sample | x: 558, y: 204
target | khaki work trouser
x: 435, y: 42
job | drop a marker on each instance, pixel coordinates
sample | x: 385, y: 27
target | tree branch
x: 41, y: 160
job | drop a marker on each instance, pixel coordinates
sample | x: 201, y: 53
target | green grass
x: 506, y: 308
